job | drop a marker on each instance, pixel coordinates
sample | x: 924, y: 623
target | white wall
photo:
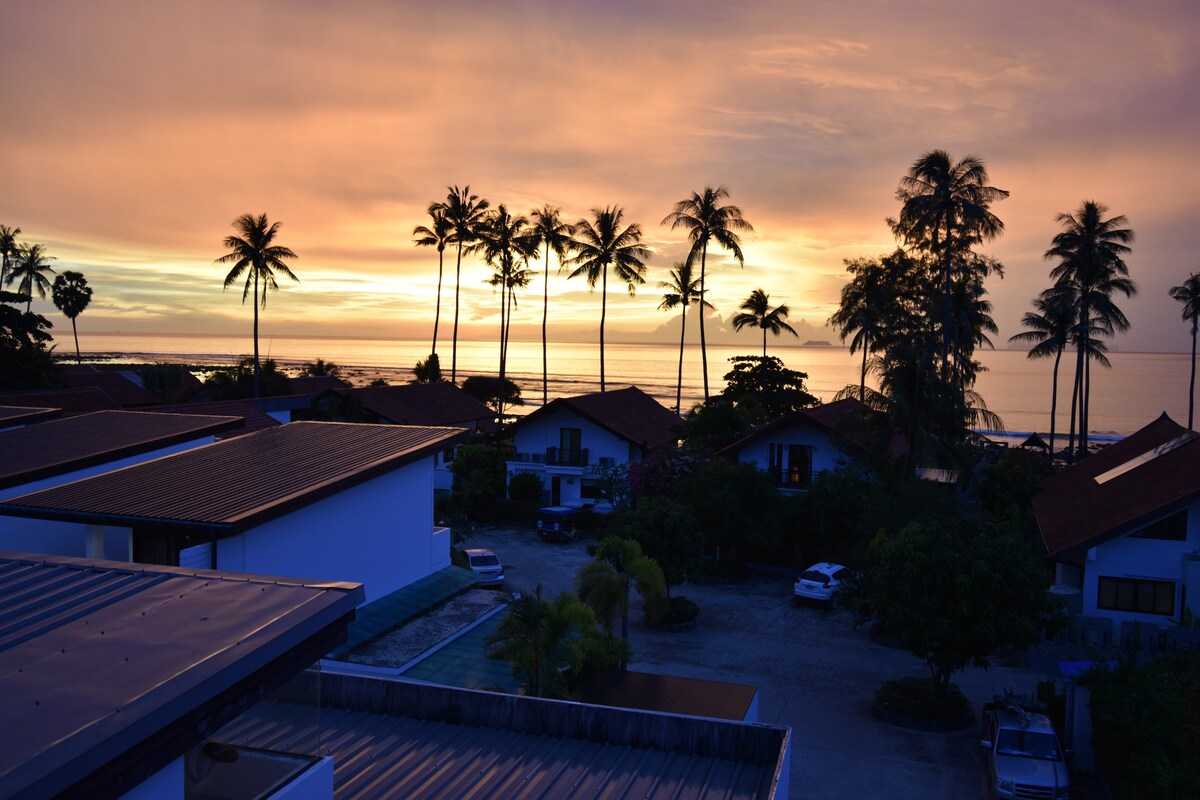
x: 1126, y: 557
x: 825, y: 456
x: 166, y: 784
x: 536, y: 436
x: 379, y: 533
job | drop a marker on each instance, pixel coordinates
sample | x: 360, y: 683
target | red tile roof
x: 629, y: 413
x: 440, y: 403
x: 65, y: 445
x: 254, y: 419
x: 1075, y: 512
x: 236, y: 484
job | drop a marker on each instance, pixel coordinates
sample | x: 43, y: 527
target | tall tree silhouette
x: 707, y: 219
x: 29, y: 272
x: 682, y: 291
x: 1048, y: 328
x: 507, y: 244
x: 601, y: 243
x: 1188, y: 293
x: 71, y: 295
x: 8, y: 249
x: 437, y: 235
x: 254, y: 253
x: 946, y: 209
x: 464, y: 212
x: 757, y: 313
x: 862, y: 310
x: 1090, y: 252
x: 555, y: 236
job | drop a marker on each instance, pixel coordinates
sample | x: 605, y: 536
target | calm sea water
x: 1138, y: 388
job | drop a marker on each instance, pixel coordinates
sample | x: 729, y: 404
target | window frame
x: 1128, y: 594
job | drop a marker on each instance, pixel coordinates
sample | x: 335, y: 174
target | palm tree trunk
x: 545, y: 310
x: 457, y: 284
x: 679, y: 381
x: 603, y: 312
x: 1074, y: 402
x: 862, y: 375
x: 437, y: 314
x: 503, y: 338
x: 1085, y: 399
x: 1054, y: 403
x: 703, y: 347
x: 764, y: 342
x: 79, y: 360
x: 255, y: 330
x: 1192, y: 381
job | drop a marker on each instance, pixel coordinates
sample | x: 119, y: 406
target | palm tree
x: 8, y: 248
x: 507, y: 245
x: 321, y: 368
x: 29, y: 272
x: 862, y: 310
x: 253, y: 252
x: 537, y: 637
x: 436, y: 234
x: 1188, y: 293
x: 1049, y: 328
x: 757, y: 313
x: 1090, y: 251
x: 464, y: 213
x: 599, y: 245
x: 555, y: 235
x: 604, y: 584
x: 71, y: 295
x: 682, y: 291
x: 946, y: 210
x: 705, y: 220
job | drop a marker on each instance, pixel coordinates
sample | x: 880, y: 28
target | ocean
x: 1138, y: 388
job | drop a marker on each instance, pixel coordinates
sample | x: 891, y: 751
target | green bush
x: 525, y: 488
x: 679, y: 609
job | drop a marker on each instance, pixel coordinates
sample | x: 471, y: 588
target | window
x: 570, y: 438
x: 1136, y: 594
x: 790, y: 465
x: 1172, y: 528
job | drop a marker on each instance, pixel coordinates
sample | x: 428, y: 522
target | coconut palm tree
x: 465, y: 213
x: 254, y: 253
x: 602, y: 244
x: 682, y: 291
x: 555, y: 236
x: 71, y: 295
x: 705, y: 219
x: 1090, y: 251
x: 538, y: 636
x: 437, y: 234
x: 8, y: 248
x: 861, y: 312
x: 507, y: 244
x: 946, y: 209
x: 619, y: 567
x: 757, y: 313
x: 1188, y: 293
x: 29, y: 272
x: 1048, y: 328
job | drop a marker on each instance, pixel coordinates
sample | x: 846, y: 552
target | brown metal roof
x: 842, y: 417
x: 668, y: 693
x: 393, y: 739
x: 629, y: 413
x: 123, y: 391
x: 314, y: 385
x: 109, y: 671
x: 254, y: 419
x: 1075, y: 512
x: 440, y: 403
x: 23, y: 415
x: 71, y: 401
x: 238, y: 483
x: 65, y: 445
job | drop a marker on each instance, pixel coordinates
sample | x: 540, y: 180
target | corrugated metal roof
x: 64, y: 445
x: 379, y: 755
x: 237, y: 483
x: 71, y: 401
x: 123, y: 391
x: 254, y: 419
x: 96, y: 657
x: 629, y: 413
x: 671, y: 694
x: 21, y: 415
x: 440, y: 403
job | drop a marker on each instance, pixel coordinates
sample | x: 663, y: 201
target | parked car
x: 556, y: 523
x: 819, y: 582
x: 1024, y: 759
x: 486, y: 566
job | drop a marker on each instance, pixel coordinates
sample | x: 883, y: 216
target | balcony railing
x: 564, y: 457
x: 791, y: 479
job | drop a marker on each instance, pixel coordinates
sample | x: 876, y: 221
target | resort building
x: 569, y: 442
x: 1123, y: 527
x: 350, y: 502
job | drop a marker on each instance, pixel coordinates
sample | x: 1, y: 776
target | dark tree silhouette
x: 1048, y: 329
x: 1188, y: 293
x: 555, y: 236
x: 29, y: 273
x: 464, y: 212
x: 682, y: 291
x: 757, y: 313
x: 72, y: 295
x: 437, y: 235
x: 8, y: 249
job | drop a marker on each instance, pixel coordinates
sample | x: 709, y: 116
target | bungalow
x: 63, y: 450
x: 570, y: 441
x: 115, y: 676
x: 1123, y: 527
x: 353, y: 502
x: 797, y: 447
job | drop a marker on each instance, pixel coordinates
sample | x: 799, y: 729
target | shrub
x: 679, y: 610
x: 525, y: 488
x: 917, y: 697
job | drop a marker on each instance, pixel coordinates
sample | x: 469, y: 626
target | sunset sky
x: 135, y: 132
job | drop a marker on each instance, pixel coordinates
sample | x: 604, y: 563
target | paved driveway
x: 814, y: 672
